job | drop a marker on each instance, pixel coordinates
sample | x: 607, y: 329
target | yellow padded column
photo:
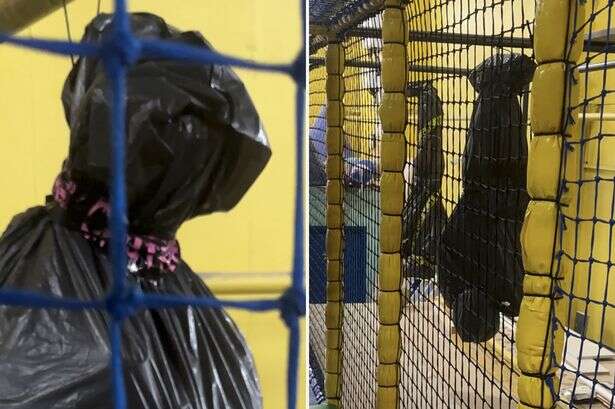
x: 539, y: 343
x: 335, y: 221
x: 393, y: 117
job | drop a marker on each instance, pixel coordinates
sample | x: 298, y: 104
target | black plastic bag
x: 476, y: 317
x: 481, y: 246
x: 424, y: 215
x: 194, y: 146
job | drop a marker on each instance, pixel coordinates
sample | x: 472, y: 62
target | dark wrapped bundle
x: 194, y: 145
x: 424, y: 215
x: 481, y: 247
x: 476, y: 316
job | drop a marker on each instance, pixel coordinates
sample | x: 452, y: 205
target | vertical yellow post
x: 335, y: 221
x: 539, y: 341
x: 393, y: 117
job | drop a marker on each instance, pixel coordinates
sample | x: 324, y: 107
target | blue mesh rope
x: 119, y: 52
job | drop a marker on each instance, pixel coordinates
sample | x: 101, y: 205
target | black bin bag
x: 194, y: 146
x: 481, y: 270
x: 424, y: 214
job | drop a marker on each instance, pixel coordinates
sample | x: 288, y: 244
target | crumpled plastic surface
x: 424, y: 215
x: 481, y: 249
x: 194, y: 146
x: 195, y: 140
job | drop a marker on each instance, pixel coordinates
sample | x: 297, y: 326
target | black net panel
x: 328, y: 12
x: 317, y: 218
x: 470, y: 68
x: 585, y: 249
x: 362, y: 130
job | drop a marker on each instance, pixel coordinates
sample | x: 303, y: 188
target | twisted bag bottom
x: 183, y: 358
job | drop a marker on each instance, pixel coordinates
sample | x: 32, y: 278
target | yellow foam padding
x: 334, y: 291
x: 537, y: 236
x: 533, y: 338
x: 334, y: 362
x: 335, y: 192
x: 334, y: 270
x: 394, y: 68
x: 334, y: 338
x: 389, y: 268
x: 389, y: 307
x: 334, y: 244
x: 551, y: 30
x: 335, y: 59
x: 390, y: 234
x: 335, y: 87
x: 546, y: 105
x: 387, y: 397
x: 392, y: 192
x: 335, y: 216
x: 543, y: 166
x: 333, y: 314
x: 393, y: 152
x: 537, y: 285
x: 393, y: 112
x: 335, y: 140
x: 559, y: 337
x: 335, y: 167
x: 394, y: 29
x: 335, y: 114
x: 533, y: 392
x: 332, y: 385
x: 388, y: 375
x: 389, y: 342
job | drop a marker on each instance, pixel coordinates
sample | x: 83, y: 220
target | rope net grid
x: 472, y: 335
x: 467, y: 149
x: 118, y: 53
x: 362, y: 96
x: 582, y: 335
x: 361, y: 99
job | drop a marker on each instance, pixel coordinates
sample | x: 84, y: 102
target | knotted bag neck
x: 87, y: 211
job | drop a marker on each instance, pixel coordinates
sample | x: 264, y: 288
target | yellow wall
x: 256, y: 236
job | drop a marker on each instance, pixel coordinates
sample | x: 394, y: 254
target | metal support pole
x: 15, y: 15
x: 596, y: 45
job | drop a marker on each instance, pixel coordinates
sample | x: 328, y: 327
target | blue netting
x: 119, y: 52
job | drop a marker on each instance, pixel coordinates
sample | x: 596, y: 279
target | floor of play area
x: 439, y: 370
